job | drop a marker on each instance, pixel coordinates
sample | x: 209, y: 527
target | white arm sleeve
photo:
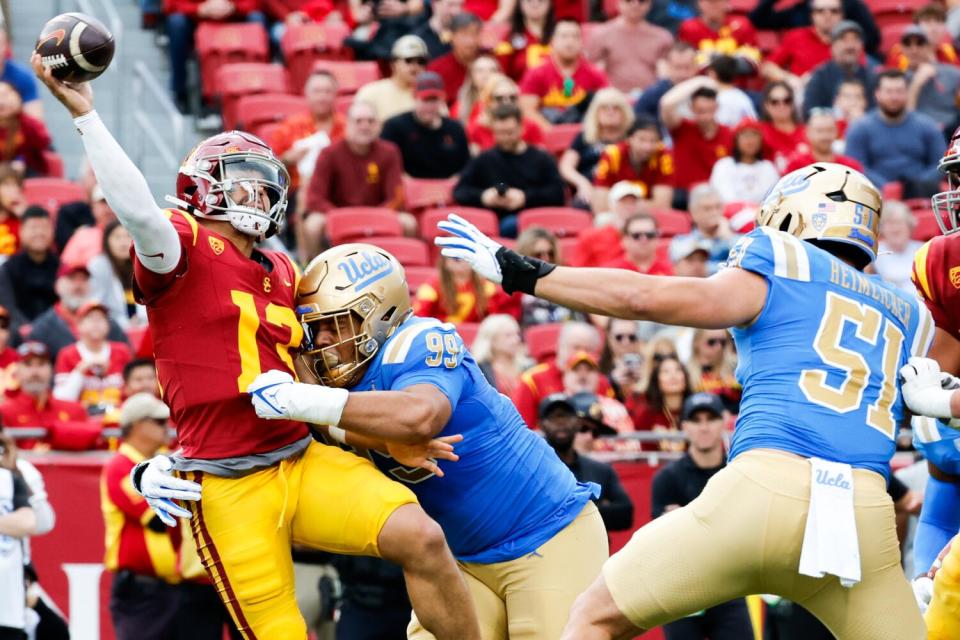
x: 154, y: 237
x: 42, y: 509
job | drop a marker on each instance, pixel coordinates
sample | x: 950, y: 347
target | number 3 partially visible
x: 247, y: 327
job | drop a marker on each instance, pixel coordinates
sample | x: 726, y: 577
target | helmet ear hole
x: 785, y: 225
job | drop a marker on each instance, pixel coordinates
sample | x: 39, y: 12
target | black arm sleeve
x: 896, y: 489
x: 21, y: 492
x: 616, y: 507
x: 549, y: 191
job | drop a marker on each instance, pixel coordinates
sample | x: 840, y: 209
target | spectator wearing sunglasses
x: 821, y: 133
x: 934, y: 86
x: 712, y: 367
x: 933, y: 20
x: 602, y: 244
x: 803, y: 48
x: 499, y: 90
x: 394, y: 95
x: 540, y: 243
x: 622, y: 359
x: 846, y: 63
x: 628, y: 47
x: 464, y: 50
x: 783, y: 132
x: 640, y: 243
x: 583, y: 375
x: 642, y: 160
x: 745, y: 175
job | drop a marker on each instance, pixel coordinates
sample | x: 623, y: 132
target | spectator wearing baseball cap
x: 641, y: 159
x: 677, y: 485
x: 431, y: 144
x: 464, y: 49
x: 33, y: 405
x: 394, y: 95
x: 582, y: 375
x: 562, y: 418
x: 602, y: 244
x: 27, y: 278
x: 932, y: 18
x: 640, y: 244
x: 57, y: 326
x: 846, y: 63
x: 690, y: 257
x: 90, y: 371
x: 709, y: 227
x: 934, y: 86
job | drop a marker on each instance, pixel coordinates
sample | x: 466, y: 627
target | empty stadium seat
x: 417, y: 276
x: 356, y: 224
x: 541, y: 340
x: 350, y: 75
x: 305, y: 44
x: 468, y: 331
x: 238, y: 80
x: 559, y: 137
x: 891, y: 12
x: 890, y: 33
x: 255, y: 111
x: 483, y: 219
x: 927, y: 226
x: 411, y: 252
x: 561, y: 221
x: 54, y: 164
x: 672, y: 222
x: 265, y: 131
x: 218, y: 44
x: 50, y: 193
x: 422, y: 193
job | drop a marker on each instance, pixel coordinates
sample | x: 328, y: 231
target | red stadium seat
x: 421, y: 193
x: 342, y: 104
x: 305, y: 44
x: 891, y: 12
x: 266, y: 131
x: 927, y: 226
x: 350, y: 75
x: 54, y: 164
x: 890, y: 33
x: 893, y: 190
x: 355, y: 224
x: 235, y: 81
x: 468, y: 331
x: 411, y: 252
x: 918, y: 204
x: 483, y: 219
x: 256, y: 111
x: 559, y: 137
x: 562, y: 221
x: 221, y: 43
x: 417, y: 276
x: 50, y: 193
x: 568, y: 247
x: 541, y: 340
x: 672, y: 222
x: 741, y: 215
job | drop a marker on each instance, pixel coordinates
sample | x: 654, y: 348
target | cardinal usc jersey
x: 936, y: 275
x: 509, y: 493
x: 819, y: 366
x: 218, y: 320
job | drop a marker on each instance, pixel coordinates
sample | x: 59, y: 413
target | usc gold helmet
x: 826, y: 203
x: 359, y: 293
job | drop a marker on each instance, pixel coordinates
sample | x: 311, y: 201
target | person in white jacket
x: 745, y: 175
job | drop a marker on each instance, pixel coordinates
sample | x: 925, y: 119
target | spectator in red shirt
x: 606, y: 123
x: 361, y: 170
x: 658, y: 406
x: 499, y: 90
x: 293, y: 13
x: 539, y: 381
x: 628, y: 48
x: 527, y: 43
x: 641, y: 235
x: 464, y: 49
x: 558, y: 89
x: 602, y: 243
x: 699, y: 142
x: 12, y: 206
x: 90, y: 371
x: 298, y: 140
x: 24, y: 137
x: 804, y: 48
x: 821, y: 141
x: 32, y: 405
x: 640, y: 159
x: 715, y: 30
x: 182, y: 19
x: 457, y: 294
x: 783, y: 134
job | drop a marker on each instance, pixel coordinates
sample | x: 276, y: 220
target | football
x: 77, y: 47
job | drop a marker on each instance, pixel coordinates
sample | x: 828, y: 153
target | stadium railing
x: 119, y: 65
x: 166, y: 141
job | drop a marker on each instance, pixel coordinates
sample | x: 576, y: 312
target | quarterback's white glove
x: 152, y: 479
x: 275, y: 396
x: 489, y: 258
x: 926, y: 389
x: 923, y: 592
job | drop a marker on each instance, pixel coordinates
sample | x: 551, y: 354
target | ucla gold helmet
x: 826, y: 203
x: 350, y: 300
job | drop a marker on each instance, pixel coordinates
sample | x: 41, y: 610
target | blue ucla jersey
x: 509, y: 493
x: 939, y: 443
x: 820, y: 364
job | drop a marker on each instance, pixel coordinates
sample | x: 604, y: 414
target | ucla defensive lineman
x: 525, y: 532
x: 801, y: 510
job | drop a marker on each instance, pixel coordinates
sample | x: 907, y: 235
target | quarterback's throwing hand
x: 470, y: 245
x: 926, y: 388
x: 152, y: 479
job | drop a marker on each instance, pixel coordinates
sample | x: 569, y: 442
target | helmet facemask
x: 335, y: 347
x: 946, y: 204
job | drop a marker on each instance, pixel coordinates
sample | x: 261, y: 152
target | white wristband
x: 315, y: 404
x: 338, y: 434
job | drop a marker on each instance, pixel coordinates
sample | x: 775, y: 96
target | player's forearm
x: 126, y: 190
x: 18, y: 524
x: 396, y: 416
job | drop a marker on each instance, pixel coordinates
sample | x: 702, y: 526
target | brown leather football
x: 77, y: 47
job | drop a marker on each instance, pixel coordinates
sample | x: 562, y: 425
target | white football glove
x: 152, y: 479
x: 275, y: 396
x: 470, y: 245
x: 923, y: 592
x: 923, y: 387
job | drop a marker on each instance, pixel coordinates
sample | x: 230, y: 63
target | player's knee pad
x: 939, y: 521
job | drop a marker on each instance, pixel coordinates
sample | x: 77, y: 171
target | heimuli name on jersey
x: 849, y: 278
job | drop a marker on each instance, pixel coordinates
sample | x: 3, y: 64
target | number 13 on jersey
x: 871, y: 327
